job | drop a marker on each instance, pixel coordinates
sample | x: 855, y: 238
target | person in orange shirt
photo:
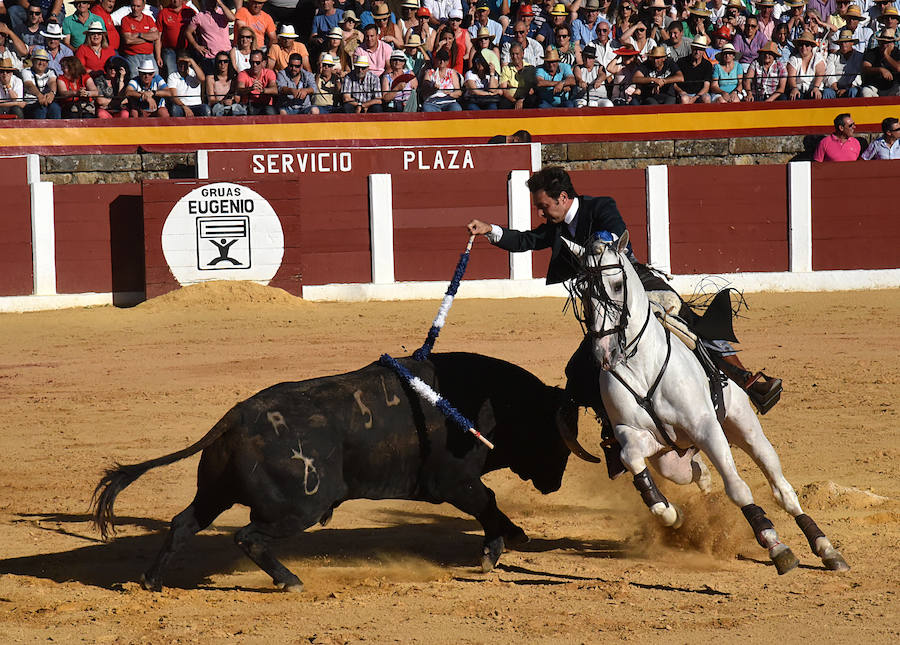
x: 259, y: 21
x: 287, y: 45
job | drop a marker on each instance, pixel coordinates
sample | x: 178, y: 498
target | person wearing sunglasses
x: 295, y: 88
x: 887, y: 146
x: 532, y: 50
x: 840, y: 145
x: 30, y: 32
x: 256, y: 86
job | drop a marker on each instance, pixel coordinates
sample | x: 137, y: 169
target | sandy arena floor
x: 82, y: 388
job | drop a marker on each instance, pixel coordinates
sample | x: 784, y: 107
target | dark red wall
x: 856, y: 215
x: 99, y: 238
x: 16, y: 264
x: 728, y: 219
x: 430, y: 215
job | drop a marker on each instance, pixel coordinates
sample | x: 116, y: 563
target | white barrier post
x: 519, y: 205
x: 33, y: 168
x: 202, y: 164
x: 381, y: 227
x: 43, y: 238
x: 800, y: 216
x: 658, y: 243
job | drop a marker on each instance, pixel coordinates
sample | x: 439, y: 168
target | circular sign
x: 223, y: 231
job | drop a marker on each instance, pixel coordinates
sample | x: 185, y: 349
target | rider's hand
x: 477, y: 227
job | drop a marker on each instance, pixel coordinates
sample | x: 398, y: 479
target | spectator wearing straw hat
x: 483, y: 21
x: 12, y: 93
x: 416, y: 58
x: 590, y: 81
x: 518, y: 81
x: 39, y: 86
x: 92, y: 54
x: 655, y: 17
x: 806, y: 69
x: 252, y: 15
x: 327, y: 97
x: 334, y: 45
x: 207, y: 33
x: 766, y: 78
x: 840, y: 145
x: 727, y: 84
x: 296, y: 86
x: 388, y: 31
x: 75, y: 26
x: 794, y: 18
x: 853, y: 22
x: 103, y: 9
x: 287, y: 45
x: 697, y: 72
x: 408, y: 19
x: 147, y: 92
x: 555, y: 81
x: 843, y: 68
x: 889, y: 19
x: 887, y: 146
x: 698, y: 19
x: 256, y: 86
x: 56, y: 49
x: 584, y: 26
x: 484, y: 44
x: 765, y: 15
x: 656, y: 79
x: 399, y: 85
x: 559, y: 19
x: 881, y: 67
x: 361, y: 88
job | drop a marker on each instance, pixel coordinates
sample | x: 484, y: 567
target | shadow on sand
x: 440, y: 539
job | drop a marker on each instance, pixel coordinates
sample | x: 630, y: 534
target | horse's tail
x: 116, y: 479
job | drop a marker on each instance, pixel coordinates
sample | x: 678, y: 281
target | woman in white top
x: 806, y: 69
x: 482, y: 84
x: 240, y: 55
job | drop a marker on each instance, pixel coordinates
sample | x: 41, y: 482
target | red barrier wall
x: 728, y: 219
x: 99, y: 238
x: 846, y: 236
x: 16, y: 266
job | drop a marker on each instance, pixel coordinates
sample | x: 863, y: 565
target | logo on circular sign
x: 223, y: 231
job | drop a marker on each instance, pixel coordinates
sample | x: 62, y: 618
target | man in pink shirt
x: 378, y: 51
x: 207, y: 32
x: 840, y: 145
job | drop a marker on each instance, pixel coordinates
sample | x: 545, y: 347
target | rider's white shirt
x: 497, y: 232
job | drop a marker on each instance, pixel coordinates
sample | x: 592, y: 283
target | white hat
x: 54, y: 30
x: 398, y: 54
x: 327, y: 59
x: 361, y: 61
x: 455, y: 13
x: 147, y: 67
x: 96, y: 27
x: 336, y: 32
x: 287, y: 31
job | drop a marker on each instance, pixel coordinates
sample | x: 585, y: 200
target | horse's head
x: 601, y: 290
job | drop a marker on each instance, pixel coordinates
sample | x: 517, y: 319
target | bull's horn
x: 575, y: 248
x: 569, y: 437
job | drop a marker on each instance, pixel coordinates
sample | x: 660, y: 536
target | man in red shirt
x: 103, y: 9
x: 256, y: 86
x: 140, y: 38
x: 171, y: 22
x: 840, y: 145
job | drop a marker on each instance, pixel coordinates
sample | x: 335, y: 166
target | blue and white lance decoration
x: 418, y: 385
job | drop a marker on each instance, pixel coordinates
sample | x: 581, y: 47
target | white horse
x: 657, y: 397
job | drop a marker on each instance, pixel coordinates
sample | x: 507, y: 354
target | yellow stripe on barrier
x: 604, y: 124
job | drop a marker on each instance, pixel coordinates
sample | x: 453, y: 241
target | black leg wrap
x: 758, y: 521
x: 810, y: 529
x: 648, y: 490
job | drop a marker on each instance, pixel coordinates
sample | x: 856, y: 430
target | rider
x: 576, y: 218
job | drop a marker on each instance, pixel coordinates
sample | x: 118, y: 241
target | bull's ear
x: 622, y: 246
x: 575, y: 248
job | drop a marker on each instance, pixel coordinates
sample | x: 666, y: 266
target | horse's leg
x: 711, y: 439
x: 744, y: 430
x: 637, y: 447
x: 683, y: 469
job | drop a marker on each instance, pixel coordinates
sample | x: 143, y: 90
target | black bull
x: 295, y: 451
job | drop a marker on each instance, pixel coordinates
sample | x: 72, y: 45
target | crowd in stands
x: 121, y: 58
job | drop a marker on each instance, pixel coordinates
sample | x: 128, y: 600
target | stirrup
x: 764, y: 391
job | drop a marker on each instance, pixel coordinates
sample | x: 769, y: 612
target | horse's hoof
x: 293, y: 588
x: 784, y: 560
x: 679, y: 517
x: 836, y: 562
x: 491, y: 554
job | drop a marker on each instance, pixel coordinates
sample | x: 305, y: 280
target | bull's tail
x: 121, y: 476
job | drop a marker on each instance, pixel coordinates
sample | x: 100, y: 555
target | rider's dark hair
x: 553, y: 180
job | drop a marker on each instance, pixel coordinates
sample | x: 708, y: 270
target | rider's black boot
x: 763, y: 390
x: 612, y: 451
